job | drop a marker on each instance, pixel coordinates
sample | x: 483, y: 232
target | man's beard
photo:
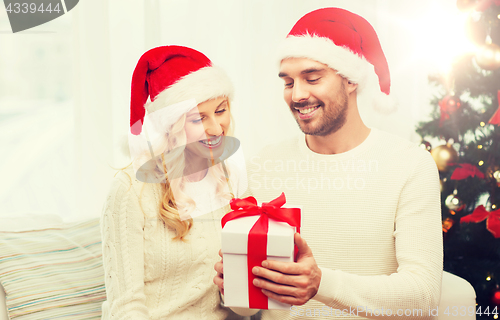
x: 332, y: 118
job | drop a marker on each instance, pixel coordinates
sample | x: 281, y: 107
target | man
x: 370, y: 243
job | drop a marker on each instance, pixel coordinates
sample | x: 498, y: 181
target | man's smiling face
x: 316, y: 95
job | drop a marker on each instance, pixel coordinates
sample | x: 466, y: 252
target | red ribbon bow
x: 492, y: 222
x: 466, y: 170
x: 257, y: 237
x: 495, y: 119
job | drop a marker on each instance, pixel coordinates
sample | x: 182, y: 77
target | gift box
x: 250, y: 235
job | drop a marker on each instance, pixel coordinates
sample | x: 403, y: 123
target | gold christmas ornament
x: 488, y: 56
x: 444, y: 156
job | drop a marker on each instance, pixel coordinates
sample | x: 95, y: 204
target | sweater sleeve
x: 415, y: 288
x: 122, y: 225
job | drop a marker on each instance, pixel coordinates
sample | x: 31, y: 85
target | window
x: 36, y: 119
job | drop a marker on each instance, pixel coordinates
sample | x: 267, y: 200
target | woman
x: 161, y: 221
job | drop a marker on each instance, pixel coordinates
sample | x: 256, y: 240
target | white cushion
x: 21, y: 223
x: 53, y: 272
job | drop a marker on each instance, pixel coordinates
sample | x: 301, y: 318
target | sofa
x: 53, y: 270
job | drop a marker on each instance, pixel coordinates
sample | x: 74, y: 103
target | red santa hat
x: 346, y: 42
x: 170, y: 75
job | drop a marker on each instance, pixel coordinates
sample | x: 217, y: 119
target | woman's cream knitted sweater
x: 147, y: 274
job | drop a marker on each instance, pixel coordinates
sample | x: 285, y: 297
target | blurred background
x: 65, y: 85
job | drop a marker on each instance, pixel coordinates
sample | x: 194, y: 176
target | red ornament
x: 496, y: 297
x: 448, y: 105
x: 482, y: 5
x: 476, y: 5
x: 492, y: 219
x: 466, y: 170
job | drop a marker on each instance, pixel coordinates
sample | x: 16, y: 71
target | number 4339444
x: 32, y: 8
x: 470, y: 310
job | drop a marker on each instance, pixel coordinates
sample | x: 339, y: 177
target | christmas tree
x: 466, y: 118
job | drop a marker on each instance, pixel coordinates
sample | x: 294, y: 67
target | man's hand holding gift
x: 293, y: 283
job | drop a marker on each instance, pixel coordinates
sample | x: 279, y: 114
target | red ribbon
x: 466, y: 170
x: 495, y: 119
x: 492, y: 222
x: 257, y: 237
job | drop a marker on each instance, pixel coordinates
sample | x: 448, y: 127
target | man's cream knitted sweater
x: 372, y: 219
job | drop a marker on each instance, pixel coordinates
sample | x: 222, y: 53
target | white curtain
x: 109, y: 36
x: 108, y: 42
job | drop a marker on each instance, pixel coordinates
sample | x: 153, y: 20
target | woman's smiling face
x: 206, y: 127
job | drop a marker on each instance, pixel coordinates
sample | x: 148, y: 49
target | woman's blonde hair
x: 172, y: 163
